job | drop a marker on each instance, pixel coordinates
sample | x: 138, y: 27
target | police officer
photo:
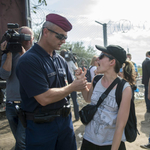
x: 45, y: 83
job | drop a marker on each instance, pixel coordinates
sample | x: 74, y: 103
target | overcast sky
x: 83, y: 14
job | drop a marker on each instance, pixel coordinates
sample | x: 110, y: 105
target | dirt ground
x: 7, y: 140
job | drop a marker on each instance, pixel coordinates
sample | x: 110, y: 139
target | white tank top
x: 101, y: 129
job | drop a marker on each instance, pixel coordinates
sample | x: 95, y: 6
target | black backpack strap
x: 104, y: 95
x: 90, y: 73
x: 96, y: 79
x: 90, y: 67
x: 119, y: 91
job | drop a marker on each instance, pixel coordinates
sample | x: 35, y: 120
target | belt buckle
x: 17, y: 102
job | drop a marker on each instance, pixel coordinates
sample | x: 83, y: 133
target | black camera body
x: 14, y: 39
x: 70, y: 56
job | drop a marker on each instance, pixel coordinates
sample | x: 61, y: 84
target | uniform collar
x: 42, y: 52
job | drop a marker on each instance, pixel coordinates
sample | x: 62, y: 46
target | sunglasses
x: 103, y: 54
x: 58, y: 35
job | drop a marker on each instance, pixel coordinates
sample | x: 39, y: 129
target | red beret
x: 60, y: 21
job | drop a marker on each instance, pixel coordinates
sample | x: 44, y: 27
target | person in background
x: 93, y: 67
x: 129, y: 57
x: 120, y: 73
x: 45, y: 83
x: 106, y: 130
x: 145, y: 80
x: 72, y: 68
x: 125, y: 72
x: 8, y: 72
x: 83, y: 65
x: 149, y: 89
x: 147, y: 146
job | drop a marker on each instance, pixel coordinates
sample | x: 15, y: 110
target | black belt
x: 48, y: 115
x: 30, y: 116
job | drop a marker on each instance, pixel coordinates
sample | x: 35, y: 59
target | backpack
x: 131, y: 126
x: 88, y: 74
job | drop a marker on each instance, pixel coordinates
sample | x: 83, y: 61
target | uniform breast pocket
x: 52, y: 78
x: 63, y: 78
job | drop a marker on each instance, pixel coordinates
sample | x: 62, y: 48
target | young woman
x: 106, y: 130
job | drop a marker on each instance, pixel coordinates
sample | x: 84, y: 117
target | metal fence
x: 84, y: 28
x: 91, y: 35
x: 88, y: 31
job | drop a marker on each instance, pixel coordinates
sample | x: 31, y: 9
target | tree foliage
x: 40, y: 2
x: 82, y: 53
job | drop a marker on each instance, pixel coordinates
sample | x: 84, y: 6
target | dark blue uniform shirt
x: 37, y: 71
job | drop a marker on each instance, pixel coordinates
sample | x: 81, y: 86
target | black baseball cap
x: 116, y: 51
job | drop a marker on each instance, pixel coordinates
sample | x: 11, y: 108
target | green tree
x: 66, y: 46
x: 42, y: 2
x: 82, y: 53
x: 78, y: 48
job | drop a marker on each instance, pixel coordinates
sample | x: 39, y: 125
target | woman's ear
x: 112, y: 62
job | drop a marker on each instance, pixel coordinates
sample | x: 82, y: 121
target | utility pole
x: 128, y: 50
x: 104, y: 32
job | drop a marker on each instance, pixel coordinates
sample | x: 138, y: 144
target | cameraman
x: 8, y: 72
x: 72, y: 68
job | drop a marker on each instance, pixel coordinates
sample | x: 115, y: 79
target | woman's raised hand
x: 80, y: 73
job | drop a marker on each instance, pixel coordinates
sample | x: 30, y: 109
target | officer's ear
x: 45, y: 32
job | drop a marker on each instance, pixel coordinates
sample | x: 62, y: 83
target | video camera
x: 14, y: 39
x: 70, y: 56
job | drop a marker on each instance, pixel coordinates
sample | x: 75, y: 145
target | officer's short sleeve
x: 31, y: 77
